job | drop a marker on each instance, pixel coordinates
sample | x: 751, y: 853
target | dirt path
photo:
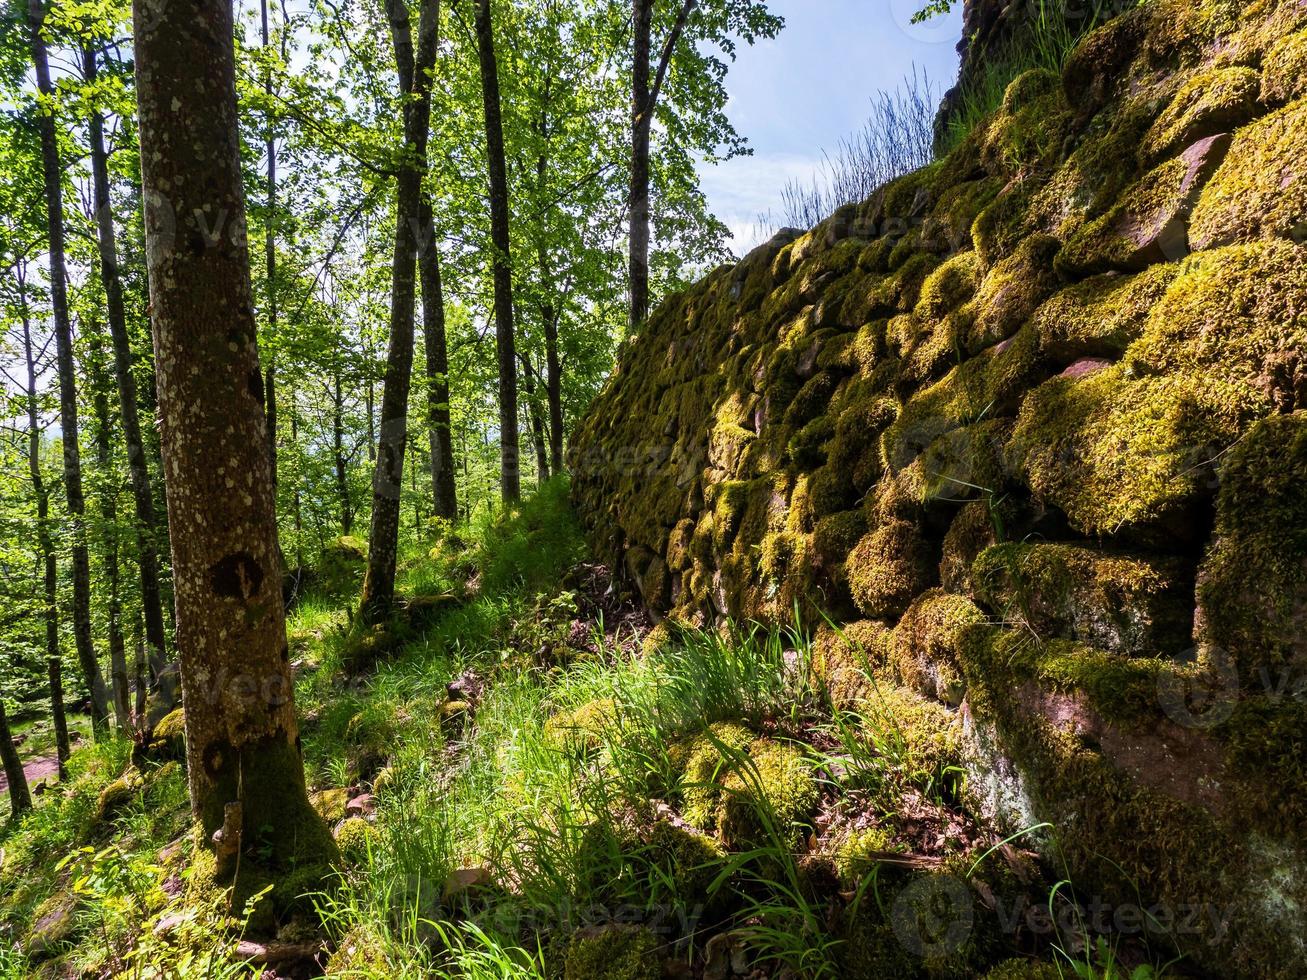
x: 36, y: 770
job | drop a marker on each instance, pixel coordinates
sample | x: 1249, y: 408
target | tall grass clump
x: 1051, y: 31
x: 895, y: 140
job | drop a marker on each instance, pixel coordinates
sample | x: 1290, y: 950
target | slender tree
x: 414, y: 67
x: 270, y: 249
x: 44, y: 541
x: 244, y: 762
x: 108, y: 497
x: 20, y: 797
x: 63, y: 332
x: 509, y: 453
x: 644, y: 100
x: 443, y: 489
x: 143, y: 498
x: 62, y: 745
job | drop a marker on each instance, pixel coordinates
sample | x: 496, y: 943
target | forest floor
x: 533, y: 781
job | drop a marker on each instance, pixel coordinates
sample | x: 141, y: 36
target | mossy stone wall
x: 1035, y: 418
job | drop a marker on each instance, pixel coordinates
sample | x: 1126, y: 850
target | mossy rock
x: 1122, y: 603
x: 1252, y: 585
x: 168, y: 738
x: 702, y: 764
x: 1121, y: 454
x: 360, y: 953
x: 1260, y: 191
x: 356, y: 838
x: 330, y: 803
x: 926, y: 652
x: 613, y: 953
x: 1210, y: 102
x: 767, y: 799
x: 1284, y: 72
x: 118, y: 795
x: 1101, y: 316
x: 1018, y: 969
x: 858, y: 853
x: 1239, y: 313
x: 888, y: 567
x: 54, y: 926
x: 341, y: 566
x: 583, y: 729
x: 847, y: 659
x: 1010, y: 292
x: 977, y: 526
x: 1029, y: 129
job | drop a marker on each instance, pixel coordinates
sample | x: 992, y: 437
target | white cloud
x: 741, y: 190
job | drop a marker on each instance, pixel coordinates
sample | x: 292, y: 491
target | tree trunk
x: 20, y: 799
x: 443, y: 490
x: 270, y: 260
x: 45, y: 545
x: 644, y: 100
x: 63, y: 746
x: 509, y: 453
x: 244, y: 763
x: 338, y: 454
x: 537, y: 422
x: 147, y: 528
x: 99, y: 381
x: 387, y: 479
x: 641, y: 124
x: 52, y: 173
x: 554, y: 390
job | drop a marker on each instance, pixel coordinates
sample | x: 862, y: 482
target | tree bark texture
x: 242, y: 737
x: 20, y: 798
x: 443, y: 489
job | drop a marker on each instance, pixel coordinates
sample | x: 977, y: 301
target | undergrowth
x: 549, y: 792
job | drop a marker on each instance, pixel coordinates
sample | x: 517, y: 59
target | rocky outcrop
x: 1036, y: 414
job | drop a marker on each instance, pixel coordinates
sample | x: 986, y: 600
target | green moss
x: 1125, y: 604
x: 949, y: 286
x: 1024, y: 970
x: 888, y: 567
x: 928, y: 640
x: 1030, y: 128
x: 1265, y: 743
x: 835, y: 536
x: 1005, y: 223
x: 1252, y: 586
x: 584, y: 728
x: 118, y: 795
x: 1101, y: 316
x: 961, y: 465
x: 854, y: 452
x: 360, y: 953
x: 948, y: 227
x: 768, y: 798
x: 356, y: 839
x: 1210, y: 102
x: 975, y: 528
x: 330, y: 803
x: 902, y: 289
x: 1239, y: 312
x: 1284, y: 72
x: 988, y: 385
x: 168, y: 739
x: 613, y: 953
x: 859, y: 852
x: 1260, y: 191
x: 844, y: 660
x: 1144, y: 227
x: 1011, y: 292
x: 341, y: 566
x: 702, y: 766
x: 1115, y: 453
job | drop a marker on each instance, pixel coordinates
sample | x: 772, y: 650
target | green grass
x: 1047, y: 42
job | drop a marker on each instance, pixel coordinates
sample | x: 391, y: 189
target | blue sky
x: 800, y: 94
